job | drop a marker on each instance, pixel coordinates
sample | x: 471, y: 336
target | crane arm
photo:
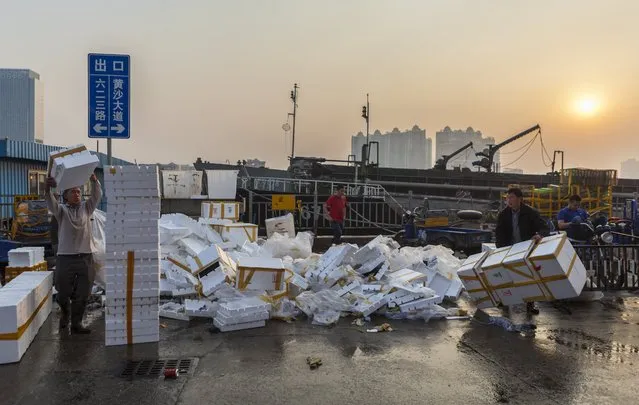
x: 494, y: 148
x: 443, y: 161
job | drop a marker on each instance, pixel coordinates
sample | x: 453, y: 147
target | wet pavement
x: 588, y: 357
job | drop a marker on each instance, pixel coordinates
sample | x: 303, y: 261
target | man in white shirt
x: 74, y: 269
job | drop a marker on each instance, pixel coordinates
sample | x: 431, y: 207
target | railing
x: 611, y: 267
x: 363, y: 217
x: 297, y: 186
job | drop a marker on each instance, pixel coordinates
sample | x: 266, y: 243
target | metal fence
x: 363, y: 217
x: 610, y: 267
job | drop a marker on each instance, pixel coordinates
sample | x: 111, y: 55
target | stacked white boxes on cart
x: 132, y: 264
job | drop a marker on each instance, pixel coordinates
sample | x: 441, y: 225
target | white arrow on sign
x: 99, y: 128
x: 118, y: 128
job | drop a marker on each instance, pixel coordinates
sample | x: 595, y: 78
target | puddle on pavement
x: 591, y: 346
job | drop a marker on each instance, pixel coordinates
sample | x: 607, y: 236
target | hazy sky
x: 212, y: 78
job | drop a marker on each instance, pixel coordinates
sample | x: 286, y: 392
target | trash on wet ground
x: 240, y: 281
x: 385, y: 327
x: 313, y: 362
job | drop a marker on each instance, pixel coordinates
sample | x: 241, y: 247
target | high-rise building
x: 21, y: 105
x: 410, y: 149
x: 447, y: 141
x: 630, y: 169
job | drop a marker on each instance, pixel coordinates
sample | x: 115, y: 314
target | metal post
x: 294, y: 98
x: 250, y: 207
x: 109, y: 155
x: 368, y: 114
x: 316, y: 209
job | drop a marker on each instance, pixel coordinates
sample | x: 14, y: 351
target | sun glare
x: 587, y: 106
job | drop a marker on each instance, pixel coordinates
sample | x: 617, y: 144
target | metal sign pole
x: 109, y: 154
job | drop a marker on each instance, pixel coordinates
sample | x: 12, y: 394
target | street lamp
x: 365, y: 115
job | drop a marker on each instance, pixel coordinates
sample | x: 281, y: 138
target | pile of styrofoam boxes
x: 25, y: 303
x: 132, y: 255
x: 284, y: 225
x: 524, y: 272
x: 72, y: 167
x: 245, y: 313
x: 261, y: 274
x: 25, y: 259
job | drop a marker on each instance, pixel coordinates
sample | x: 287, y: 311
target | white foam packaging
x: 26, y: 256
x: 559, y: 267
x: 284, y: 225
x: 24, y: 301
x: 72, y: 167
x: 256, y: 273
x: 471, y: 275
x: 133, y: 212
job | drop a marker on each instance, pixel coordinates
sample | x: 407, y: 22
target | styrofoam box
x: 559, y: 266
x: 153, y: 338
x: 72, y: 170
x: 438, y: 282
x: 203, y: 260
x: 256, y: 273
x: 250, y: 304
x: 282, y: 225
x: 212, y: 282
x: 239, y: 326
x: 26, y: 256
x: 11, y: 351
x: 200, y: 308
x: 470, y: 274
x: 496, y: 274
x: 246, y: 317
x: 488, y: 247
x: 240, y: 233
x: 19, y: 300
x: 220, y: 210
x: 405, y: 276
x: 523, y: 276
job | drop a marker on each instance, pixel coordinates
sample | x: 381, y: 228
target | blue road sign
x: 109, y: 96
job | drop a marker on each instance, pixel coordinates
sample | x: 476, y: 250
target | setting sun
x: 587, y: 106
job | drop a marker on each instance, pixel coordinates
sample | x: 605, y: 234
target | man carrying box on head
x: 335, y: 211
x: 516, y: 223
x: 74, y: 268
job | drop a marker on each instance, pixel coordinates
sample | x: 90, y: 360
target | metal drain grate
x: 155, y: 368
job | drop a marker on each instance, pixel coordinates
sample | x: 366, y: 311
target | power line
x: 517, y: 150
x: 523, y: 154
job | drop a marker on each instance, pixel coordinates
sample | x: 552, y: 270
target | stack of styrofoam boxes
x: 133, y: 210
x: 25, y: 259
x: 72, y: 167
x: 245, y: 313
x: 525, y: 272
x: 25, y: 303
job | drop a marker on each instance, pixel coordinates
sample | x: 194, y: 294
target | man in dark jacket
x: 516, y: 223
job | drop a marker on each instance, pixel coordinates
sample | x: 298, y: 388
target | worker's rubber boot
x: 65, y: 312
x: 532, y: 309
x: 76, y: 318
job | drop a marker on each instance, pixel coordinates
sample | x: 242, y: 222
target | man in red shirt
x: 335, y: 211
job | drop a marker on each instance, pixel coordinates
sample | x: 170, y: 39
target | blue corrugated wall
x: 14, y: 179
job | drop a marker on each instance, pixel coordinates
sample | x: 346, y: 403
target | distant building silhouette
x: 21, y: 105
x: 630, y: 169
x: 448, y: 141
x: 409, y: 149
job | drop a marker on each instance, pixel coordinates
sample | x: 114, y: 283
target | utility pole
x: 554, y: 157
x: 365, y: 114
x: 294, y: 99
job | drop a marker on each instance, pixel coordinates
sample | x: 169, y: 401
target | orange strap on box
x: 23, y: 328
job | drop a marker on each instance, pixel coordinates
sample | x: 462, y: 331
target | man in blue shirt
x: 572, y: 214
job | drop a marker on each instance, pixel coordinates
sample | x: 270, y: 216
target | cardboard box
x: 560, y: 269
